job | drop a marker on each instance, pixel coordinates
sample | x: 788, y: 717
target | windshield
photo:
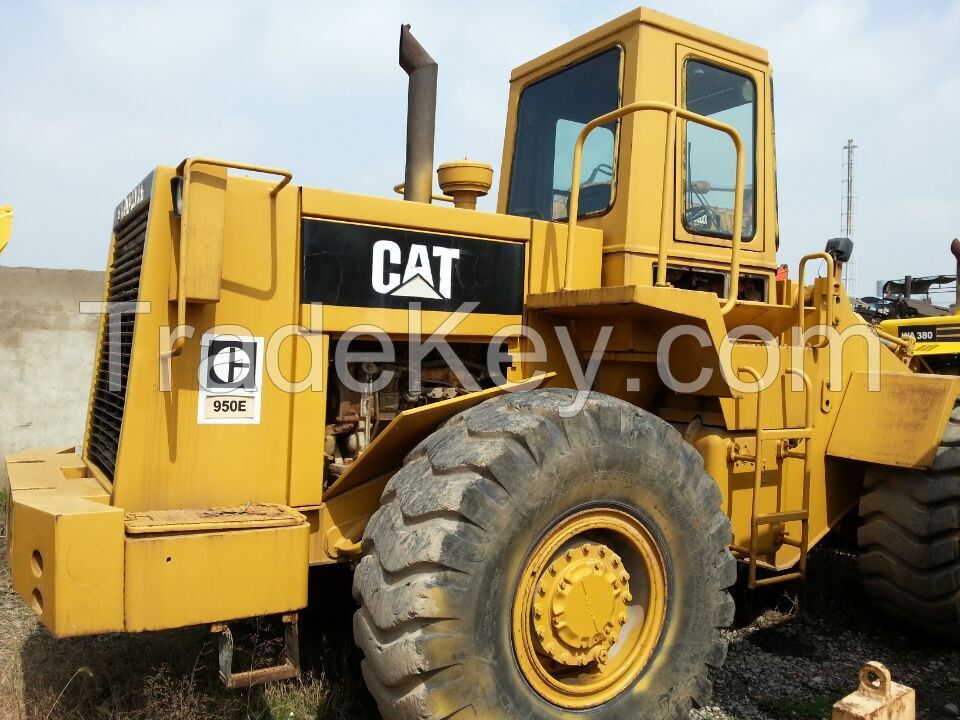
x: 551, y: 114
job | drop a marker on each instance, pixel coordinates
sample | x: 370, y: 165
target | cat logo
x: 423, y: 264
x: 230, y: 379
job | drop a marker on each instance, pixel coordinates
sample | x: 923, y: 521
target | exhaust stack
x: 421, y: 117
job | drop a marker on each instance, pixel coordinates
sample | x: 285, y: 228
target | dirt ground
x: 794, y: 651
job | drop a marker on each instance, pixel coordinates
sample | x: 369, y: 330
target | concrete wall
x: 46, y: 356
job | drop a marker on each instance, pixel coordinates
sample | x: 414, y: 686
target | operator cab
x: 647, y: 56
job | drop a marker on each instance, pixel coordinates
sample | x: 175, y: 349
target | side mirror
x: 199, y: 198
x: 6, y: 225
x: 840, y: 249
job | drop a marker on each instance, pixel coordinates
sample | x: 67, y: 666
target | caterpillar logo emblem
x: 417, y: 280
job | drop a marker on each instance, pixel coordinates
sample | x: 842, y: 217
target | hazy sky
x: 94, y: 94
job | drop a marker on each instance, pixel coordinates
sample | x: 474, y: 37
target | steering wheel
x: 605, y: 168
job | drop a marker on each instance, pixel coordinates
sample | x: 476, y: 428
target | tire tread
x: 910, y: 539
x: 422, y: 543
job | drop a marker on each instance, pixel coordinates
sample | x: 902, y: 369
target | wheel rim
x: 589, y: 608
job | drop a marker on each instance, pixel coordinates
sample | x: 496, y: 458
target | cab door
x: 732, y: 90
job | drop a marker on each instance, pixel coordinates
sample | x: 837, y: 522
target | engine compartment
x: 370, y: 385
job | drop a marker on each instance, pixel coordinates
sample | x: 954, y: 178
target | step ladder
x: 793, y: 443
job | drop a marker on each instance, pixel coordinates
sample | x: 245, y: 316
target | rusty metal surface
x: 877, y: 698
x: 251, y: 515
x: 409, y: 428
x: 288, y: 669
x: 917, y: 405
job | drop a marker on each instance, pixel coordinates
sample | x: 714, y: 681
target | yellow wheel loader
x: 937, y: 339
x: 543, y: 436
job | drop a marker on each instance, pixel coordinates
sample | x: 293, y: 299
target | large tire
x: 444, y: 553
x: 910, y: 539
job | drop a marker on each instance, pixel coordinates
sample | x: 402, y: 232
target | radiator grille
x: 113, y: 358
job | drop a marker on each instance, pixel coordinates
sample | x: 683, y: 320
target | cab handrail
x: 666, y: 230
x: 823, y: 341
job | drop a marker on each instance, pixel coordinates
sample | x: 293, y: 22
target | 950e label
x: 229, y: 408
x: 230, y: 378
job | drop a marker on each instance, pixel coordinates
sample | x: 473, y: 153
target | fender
x: 352, y: 499
x: 412, y: 426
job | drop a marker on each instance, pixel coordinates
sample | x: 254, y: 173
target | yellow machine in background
x: 6, y: 225
x: 937, y: 338
x: 541, y: 435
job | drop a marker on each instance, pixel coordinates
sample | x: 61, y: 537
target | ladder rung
x: 786, y: 433
x: 778, y: 579
x: 793, y: 543
x: 781, y: 517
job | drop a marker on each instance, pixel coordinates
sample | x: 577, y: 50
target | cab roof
x: 644, y: 16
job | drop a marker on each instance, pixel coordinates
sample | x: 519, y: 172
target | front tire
x: 510, y: 511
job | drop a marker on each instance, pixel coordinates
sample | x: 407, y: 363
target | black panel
x: 134, y: 203
x: 929, y: 333
x: 365, y: 266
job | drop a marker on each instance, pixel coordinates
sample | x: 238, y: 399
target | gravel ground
x: 794, y: 651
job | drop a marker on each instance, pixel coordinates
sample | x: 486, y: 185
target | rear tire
x: 445, y: 553
x: 910, y: 539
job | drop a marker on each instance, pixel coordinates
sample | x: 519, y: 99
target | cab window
x: 551, y: 114
x: 710, y: 158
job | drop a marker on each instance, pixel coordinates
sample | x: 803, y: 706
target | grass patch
x: 814, y: 708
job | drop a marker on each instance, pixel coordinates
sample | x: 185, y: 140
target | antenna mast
x: 846, y: 219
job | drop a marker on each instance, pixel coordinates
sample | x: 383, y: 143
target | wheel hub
x: 581, y: 604
x: 589, y: 607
